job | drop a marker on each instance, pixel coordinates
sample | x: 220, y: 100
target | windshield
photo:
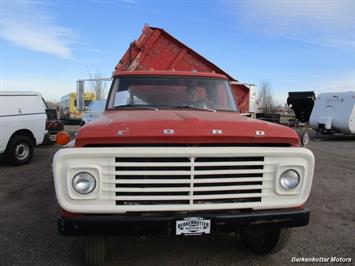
x: 171, y: 93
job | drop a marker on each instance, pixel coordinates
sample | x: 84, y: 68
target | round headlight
x: 289, y: 179
x: 84, y: 183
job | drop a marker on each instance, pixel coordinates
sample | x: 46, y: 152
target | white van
x: 22, y: 125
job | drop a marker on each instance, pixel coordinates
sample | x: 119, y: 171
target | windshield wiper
x: 194, y: 107
x: 133, y: 106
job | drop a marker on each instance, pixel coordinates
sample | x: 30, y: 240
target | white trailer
x: 334, y: 113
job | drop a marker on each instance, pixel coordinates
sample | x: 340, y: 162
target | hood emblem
x: 121, y: 132
x: 168, y: 131
x: 217, y: 131
x: 259, y: 133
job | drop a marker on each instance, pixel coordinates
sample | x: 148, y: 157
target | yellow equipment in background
x: 69, y: 106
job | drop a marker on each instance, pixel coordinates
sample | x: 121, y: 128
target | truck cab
x: 171, y: 154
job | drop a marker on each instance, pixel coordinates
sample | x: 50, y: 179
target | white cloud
x: 114, y: 2
x: 129, y: 1
x: 30, y: 24
x: 319, y: 22
x: 340, y: 83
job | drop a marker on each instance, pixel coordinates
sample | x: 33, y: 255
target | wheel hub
x: 21, y: 151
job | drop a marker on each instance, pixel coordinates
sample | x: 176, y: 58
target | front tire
x: 266, y: 241
x: 19, y: 150
x: 93, y: 250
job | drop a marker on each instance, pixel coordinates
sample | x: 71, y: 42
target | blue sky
x: 294, y: 45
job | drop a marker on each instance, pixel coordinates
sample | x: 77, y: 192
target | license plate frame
x: 192, y: 226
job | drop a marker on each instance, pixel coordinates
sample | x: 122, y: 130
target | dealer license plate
x: 193, y: 226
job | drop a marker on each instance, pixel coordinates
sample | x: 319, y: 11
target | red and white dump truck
x: 173, y: 155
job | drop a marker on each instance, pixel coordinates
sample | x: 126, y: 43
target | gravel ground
x: 28, y: 212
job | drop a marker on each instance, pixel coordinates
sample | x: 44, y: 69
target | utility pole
x: 80, y: 90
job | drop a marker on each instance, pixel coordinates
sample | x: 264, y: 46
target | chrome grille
x: 188, y: 180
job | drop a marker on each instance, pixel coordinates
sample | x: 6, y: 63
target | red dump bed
x: 156, y: 49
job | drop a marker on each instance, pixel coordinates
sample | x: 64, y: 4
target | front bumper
x: 129, y: 224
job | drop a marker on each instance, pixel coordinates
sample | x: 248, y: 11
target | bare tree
x: 98, y: 86
x: 52, y: 104
x: 266, y: 100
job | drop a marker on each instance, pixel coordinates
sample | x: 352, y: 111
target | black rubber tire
x: 12, y: 157
x: 48, y: 141
x: 51, y: 142
x: 266, y: 241
x: 93, y: 250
